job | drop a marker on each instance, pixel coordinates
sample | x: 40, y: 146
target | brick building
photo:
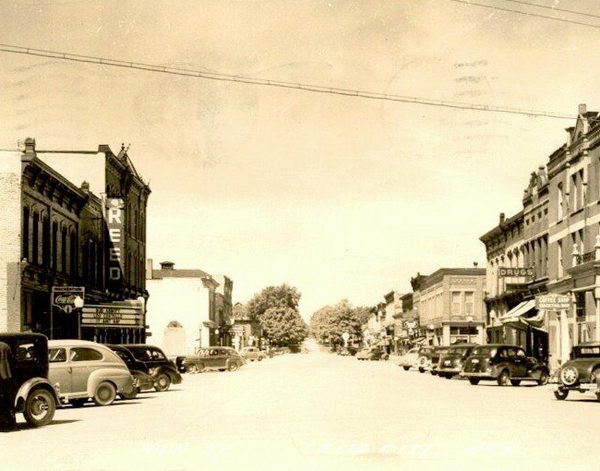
x: 451, y: 306
x: 63, y: 239
x: 517, y: 271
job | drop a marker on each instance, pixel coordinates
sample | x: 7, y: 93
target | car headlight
x: 458, y: 363
x: 569, y: 375
x: 488, y: 369
x: 152, y: 371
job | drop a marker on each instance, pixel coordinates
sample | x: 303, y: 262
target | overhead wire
x: 519, y: 12
x: 553, y: 8
x: 7, y: 48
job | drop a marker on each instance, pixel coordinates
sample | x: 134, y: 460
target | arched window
x: 46, y: 241
x: 561, y: 198
x: 63, y: 249
x: 25, y: 234
x: 35, y: 238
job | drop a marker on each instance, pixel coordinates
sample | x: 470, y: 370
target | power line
x: 275, y: 83
x: 574, y: 12
x: 537, y: 15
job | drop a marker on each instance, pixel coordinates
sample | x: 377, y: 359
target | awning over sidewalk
x: 519, y: 315
x: 518, y: 311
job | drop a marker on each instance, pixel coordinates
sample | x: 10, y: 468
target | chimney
x: 167, y: 266
x: 149, y: 268
x: 582, y: 109
x: 30, y: 146
x: 475, y: 264
x: 502, y: 218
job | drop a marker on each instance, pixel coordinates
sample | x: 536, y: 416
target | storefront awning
x: 518, y: 311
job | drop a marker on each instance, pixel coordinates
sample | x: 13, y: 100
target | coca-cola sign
x: 63, y: 297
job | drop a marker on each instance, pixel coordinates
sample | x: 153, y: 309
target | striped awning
x: 518, y: 311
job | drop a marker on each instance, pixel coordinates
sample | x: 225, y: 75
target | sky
x: 339, y: 196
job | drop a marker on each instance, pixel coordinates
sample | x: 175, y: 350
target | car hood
x: 581, y: 362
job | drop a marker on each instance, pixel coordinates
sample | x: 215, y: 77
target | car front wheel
x: 233, y: 366
x: 39, y: 408
x: 543, y: 379
x: 105, y: 394
x: 162, y: 383
x: 561, y: 394
x: 504, y: 378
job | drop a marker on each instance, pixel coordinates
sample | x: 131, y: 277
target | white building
x: 180, y: 297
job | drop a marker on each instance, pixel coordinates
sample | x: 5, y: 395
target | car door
x: 59, y: 370
x: 83, y: 361
x: 520, y: 363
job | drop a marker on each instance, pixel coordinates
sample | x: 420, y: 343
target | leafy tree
x: 283, y: 326
x: 276, y: 308
x: 329, y: 323
x: 273, y: 296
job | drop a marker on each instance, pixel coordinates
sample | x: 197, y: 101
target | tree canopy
x: 329, y: 323
x: 276, y: 308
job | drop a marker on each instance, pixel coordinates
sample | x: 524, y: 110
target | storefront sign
x: 105, y: 315
x: 115, y: 218
x: 553, y: 302
x: 514, y: 271
x: 63, y: 297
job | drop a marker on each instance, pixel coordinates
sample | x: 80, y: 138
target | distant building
x: 451, y: 307
x: 187, y: 298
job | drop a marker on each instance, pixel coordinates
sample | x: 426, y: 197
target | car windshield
x: 458, y: 350
x: 485, y: 351
x: 591, y: 351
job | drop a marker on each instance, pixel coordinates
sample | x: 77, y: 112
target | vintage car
x: 372, y: 353
x: 581, y: 373
x: 451, y: 362
x: 429, y: 357
x: 80, y: 370
x: 409, y: 358
x: 142, y: 381
x: 505, y: 364
x: 213, y: 358
x: 24, y: 384
x: 162, y: 370
x: 252, y: 354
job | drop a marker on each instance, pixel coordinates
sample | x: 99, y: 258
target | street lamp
x: 78, y: 304
x: 469, y: 320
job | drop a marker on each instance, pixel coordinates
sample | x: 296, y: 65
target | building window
x: 456, y: 303
x: 35, y: 238
x: 46, y: 241
x: 73, y: 250
x: 63, y: 248
x: 25, y: 234
x: 469, y: 303
x: 561, y: 262
x: 54, y: 244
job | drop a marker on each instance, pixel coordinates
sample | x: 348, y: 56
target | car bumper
x: 585, y: 387
x: 480, y: 375
x: 452, y: 370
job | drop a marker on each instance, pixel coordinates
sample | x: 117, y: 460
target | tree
x: 329, y: 323
x: 283, y: 326
x: 273, y: 296
x: 276, y: 308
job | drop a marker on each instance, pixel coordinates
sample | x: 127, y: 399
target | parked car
x: 372, y: 353
x: 213, y: 358
x: 163, y: 371
x: 451, y: 362
x: 409, y: 359
x: 80, y: 370
x: 142, y: 380
x: 581, y: 373
x: 24, y: 384
x: 437, y: 353
x: 505, y: 364
x: 252, y: 354
x: 427, y: 358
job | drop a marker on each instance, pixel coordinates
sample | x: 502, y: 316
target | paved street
x: 317, y: 411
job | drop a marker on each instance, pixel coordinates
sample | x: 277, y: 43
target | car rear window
x: 85, y: 354
x: 57, y: 355
x: 485, y: 351
x: 587, y: 351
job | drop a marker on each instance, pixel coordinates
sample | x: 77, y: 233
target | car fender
x: 28, y: 386
x: 120, y: 377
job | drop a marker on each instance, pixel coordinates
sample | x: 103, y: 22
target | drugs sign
x: 553, y: 302
x: 514, y: 271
